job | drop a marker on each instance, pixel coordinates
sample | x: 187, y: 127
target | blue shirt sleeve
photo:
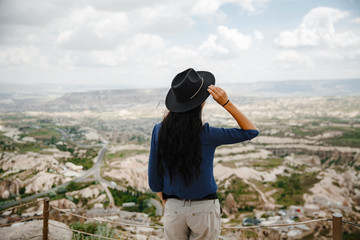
x: 220, y: 136
x: 155, y: 179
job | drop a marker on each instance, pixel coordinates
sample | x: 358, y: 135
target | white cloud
x: 317, y: 30
x: 208, y: 7
x: 258, y: 35
x: 252, y: 5
x: 227, y: 43
x: 291, y: 57
x: 211, y: 7
x: 164, y: 18
x: 210, y: 47
x: 108, y: 58
x: 356, y: 20
x: 131, y: 51
x: 83, y: 41
x: 93, y: 29
x: 35, y: 12
x: 26, y: 55
x: 88, y: 29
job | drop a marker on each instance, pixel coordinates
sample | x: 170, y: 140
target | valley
x: 93, y: 157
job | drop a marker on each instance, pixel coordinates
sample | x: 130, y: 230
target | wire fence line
x: 21, y: 205
x: 68, y: 212
x: 77, y: 231
x: 155, y: 226
x: 354, y: 224
x: 106, y: 221
x: 22, y: 220
x: 280, y: 225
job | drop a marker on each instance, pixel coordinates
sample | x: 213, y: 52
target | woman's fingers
x: 218, y: 94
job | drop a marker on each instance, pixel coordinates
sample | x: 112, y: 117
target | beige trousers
x: 192, y: 220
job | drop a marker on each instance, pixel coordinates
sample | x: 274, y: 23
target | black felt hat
x: 189, y: 90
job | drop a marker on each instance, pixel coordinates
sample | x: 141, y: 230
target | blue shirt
x: 205, y: 184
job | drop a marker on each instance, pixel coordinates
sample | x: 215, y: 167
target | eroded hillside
x: 304, y: 165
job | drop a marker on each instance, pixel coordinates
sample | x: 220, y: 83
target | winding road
x: 95, y: 170
x: 86, y: 176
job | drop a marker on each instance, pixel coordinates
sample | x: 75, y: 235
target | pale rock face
x: 34, y: 228
x: 230, y: 204
x: 73, y: 167
x: 35, y: 161
x: 10, y: 187
x: 98, y: 200
x: 99, y: 205
x: 89, y: 192
x: 42, y: 181
x: 58, y: 153
x: 132, y: 170
x: 339, y: 193
x: 62, y: 204
x: 5, y: 194
x: 221, y: 172
x: 91, y: 134
x: 295, y: 160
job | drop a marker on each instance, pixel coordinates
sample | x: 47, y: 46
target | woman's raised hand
x: 218, y: 94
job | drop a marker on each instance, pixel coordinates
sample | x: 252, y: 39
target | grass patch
x: 41, y: 133
x: 125, y: 153
x: 350, y: 137
x: 262, y: 186
x: 243, y: 194
x: 140, y: 199
x: 97, y: 228
x: 230, y: 164
x: 76, y: 186
x: 292, y: 188
x: 85, y: 161
x: 268, y: 163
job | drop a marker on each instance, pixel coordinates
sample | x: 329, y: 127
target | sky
x: 145, y: 43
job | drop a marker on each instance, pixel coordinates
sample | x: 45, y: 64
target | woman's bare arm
x: 160, y: 195
x: 221, y: 98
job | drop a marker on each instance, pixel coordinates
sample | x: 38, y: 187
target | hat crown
x: 186, y: 85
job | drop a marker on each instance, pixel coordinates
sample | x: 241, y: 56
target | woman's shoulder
x: 156, y: 128
x: 207, y: 129
x: 219, y: 136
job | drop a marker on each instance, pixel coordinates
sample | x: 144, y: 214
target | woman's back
x: 182, y: 156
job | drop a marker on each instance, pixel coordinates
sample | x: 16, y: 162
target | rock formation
x: 230, y: 205
x: 10, y: 187
x: 33, y: 230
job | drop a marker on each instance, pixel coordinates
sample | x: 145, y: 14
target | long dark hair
x: 179, y: 146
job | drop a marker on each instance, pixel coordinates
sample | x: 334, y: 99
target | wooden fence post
x: 337, y: 226
x: 46, y: 219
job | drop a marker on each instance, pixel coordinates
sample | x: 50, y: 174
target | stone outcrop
x: 230, y: 204
x: 344, y: 156
x: 42, y: 181
x: 33, y: 230
x: 132, y: 170
x: 89, y: 192
x: 30, y: 160
x: 10, y: 187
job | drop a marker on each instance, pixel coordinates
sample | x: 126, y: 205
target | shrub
x: 293, y: 187
x: 96, y: 228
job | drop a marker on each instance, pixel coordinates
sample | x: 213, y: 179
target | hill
x: 16, y: 99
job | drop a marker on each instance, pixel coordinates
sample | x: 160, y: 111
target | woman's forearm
x: 240, y: 118
x: 221, y: 98
x: 160, y: 195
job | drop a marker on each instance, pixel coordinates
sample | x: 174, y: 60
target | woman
x: 182, y: 154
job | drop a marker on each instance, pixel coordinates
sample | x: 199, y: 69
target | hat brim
x: 175, y: 106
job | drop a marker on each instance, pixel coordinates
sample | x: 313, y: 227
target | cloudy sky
x: 144, y: 43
